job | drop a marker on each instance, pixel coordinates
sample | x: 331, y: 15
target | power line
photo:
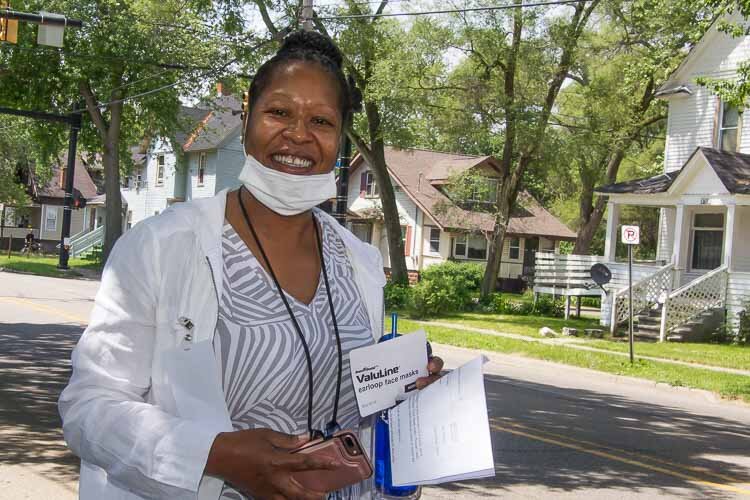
x: 452, y: 11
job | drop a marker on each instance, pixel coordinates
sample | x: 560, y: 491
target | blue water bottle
x: 383, y: 479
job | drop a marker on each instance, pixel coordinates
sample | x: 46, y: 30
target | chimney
x: 62, y: 177
x: 222, y: 89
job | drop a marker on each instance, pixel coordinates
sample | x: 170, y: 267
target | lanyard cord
x: 333, y: 425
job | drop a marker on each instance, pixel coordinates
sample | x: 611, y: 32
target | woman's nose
x: 297, y: 131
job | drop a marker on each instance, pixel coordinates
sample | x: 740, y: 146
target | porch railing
x: 646, y: 293
x: 83, y: 242
x: 687, y: 302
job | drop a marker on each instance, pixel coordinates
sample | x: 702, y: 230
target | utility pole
x: 75, y: 126
x: 307, y: 15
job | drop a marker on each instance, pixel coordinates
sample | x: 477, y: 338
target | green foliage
x: 397, y: 296
x: 523, y: 305
x: 446, y: 287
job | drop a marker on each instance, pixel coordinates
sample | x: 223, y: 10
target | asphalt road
x: 558, y: 432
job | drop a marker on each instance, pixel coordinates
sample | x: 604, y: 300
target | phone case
x: 343, y: 446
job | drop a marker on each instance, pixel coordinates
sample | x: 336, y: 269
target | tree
x: 500, y: 99
x: 129, y: 64
x: 611, y: 108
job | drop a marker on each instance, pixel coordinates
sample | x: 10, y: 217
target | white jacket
x: 145, y: 402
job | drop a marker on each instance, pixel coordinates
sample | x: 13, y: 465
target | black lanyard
x: 333, y: 424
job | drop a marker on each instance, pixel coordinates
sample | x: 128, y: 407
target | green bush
x: 397, y: 296
x: 514, y: 305
x: 446, y: 287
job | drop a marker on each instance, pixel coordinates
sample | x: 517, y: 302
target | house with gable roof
x: 701, y: 276
x: 435, y: 228
x: 200, y: 160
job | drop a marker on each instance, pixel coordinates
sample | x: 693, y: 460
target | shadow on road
x: 34, y: 369
x: 655, y: 435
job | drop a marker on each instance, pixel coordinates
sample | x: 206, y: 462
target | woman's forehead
x: 306, y: 76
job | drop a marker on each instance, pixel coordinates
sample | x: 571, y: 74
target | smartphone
x: 344, y: 447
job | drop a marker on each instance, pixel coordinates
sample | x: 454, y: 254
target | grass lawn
x: 727, y: 385
x: 45, y: 266
x: 727, y: 356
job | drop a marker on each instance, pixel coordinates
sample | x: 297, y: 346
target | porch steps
x: 646, y: 326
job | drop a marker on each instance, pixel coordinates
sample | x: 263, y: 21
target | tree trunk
x: 591, y: 217
x: 391, y: 219
x: 113, y: 212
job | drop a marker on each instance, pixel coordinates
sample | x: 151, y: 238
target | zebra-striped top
x: 261, y: 359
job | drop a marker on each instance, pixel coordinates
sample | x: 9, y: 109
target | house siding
x: 740, y: 249
x: 153, y: 198
x: 738, y: 296
x: 229, y: 163
x: 76, y: 222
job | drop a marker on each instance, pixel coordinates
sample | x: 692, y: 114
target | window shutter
x: 362, y: 184
x: 717, y: 123
x: 407, y: 241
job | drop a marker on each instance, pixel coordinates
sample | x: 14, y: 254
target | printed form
x: 442, y: 433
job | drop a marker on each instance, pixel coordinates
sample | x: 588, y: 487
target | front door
x: 708, y: 241
x: 529, y: 255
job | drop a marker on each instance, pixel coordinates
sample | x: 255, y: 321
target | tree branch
x: 266, y: 18
x: 91, y: 105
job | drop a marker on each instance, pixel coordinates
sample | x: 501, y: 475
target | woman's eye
x: 278, y: 112
x: 322, y: 121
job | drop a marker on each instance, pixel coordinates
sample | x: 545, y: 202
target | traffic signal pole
x: 75, y: 126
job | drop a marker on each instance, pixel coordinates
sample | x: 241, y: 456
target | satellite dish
x: 601, y: 275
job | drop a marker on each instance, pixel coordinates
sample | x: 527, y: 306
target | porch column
x: 678, y: 258
x: 613, y: 222
x: 729, y: 236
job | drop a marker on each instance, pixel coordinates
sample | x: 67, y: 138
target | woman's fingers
x: 435, y: 365
x: 285, y: 441
x: 298, y: 462
x: 423, y: 382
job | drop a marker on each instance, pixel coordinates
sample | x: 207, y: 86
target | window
x: 472, y: 246
x: 139, y: 184
x: 160, y: 169
x: 129, y: 220
x: 363, y: 231
x: 708, y: 240
x: 435, y: 239
x: 202, y: 162
x: 514, y: 250
x: 484, y: 191
x: 23, y: 220
x: 371, y: 188
x: 50, y: 219
x: 728, y: 127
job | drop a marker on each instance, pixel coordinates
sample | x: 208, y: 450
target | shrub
x: 446, y: 287
x: 514, y: 305
x: 397, y: 296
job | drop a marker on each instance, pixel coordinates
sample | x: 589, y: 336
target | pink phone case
x: 344, y: 447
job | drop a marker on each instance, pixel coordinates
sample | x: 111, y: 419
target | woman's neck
x: 266, y: 221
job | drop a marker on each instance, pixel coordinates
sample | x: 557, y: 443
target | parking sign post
x: 630, y: 235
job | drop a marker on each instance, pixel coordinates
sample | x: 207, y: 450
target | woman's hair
x: 312, y: 47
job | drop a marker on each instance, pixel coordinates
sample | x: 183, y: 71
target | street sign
x: 631, y: 235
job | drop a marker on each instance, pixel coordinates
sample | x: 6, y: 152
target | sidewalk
x: 574, y: 343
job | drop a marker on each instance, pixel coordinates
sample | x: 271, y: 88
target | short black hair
x: 312, y: 47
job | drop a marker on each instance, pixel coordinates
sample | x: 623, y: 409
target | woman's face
x: 295, y: 124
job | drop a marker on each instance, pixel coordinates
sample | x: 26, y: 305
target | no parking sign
x: 630, y: 235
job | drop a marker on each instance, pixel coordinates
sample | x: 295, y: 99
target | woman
x: 222, y: 327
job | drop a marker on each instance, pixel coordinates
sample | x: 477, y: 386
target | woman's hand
x: 259, y: 463
x: 434, y: 367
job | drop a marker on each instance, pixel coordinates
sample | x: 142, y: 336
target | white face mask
x: 286, y: 194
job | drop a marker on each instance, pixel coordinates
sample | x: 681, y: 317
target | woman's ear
x: 245, y: 115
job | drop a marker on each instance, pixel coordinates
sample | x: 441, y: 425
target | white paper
x: 442, y: 434
x: 385, y: 372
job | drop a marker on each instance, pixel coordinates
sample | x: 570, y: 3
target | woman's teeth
x: 292, y: 161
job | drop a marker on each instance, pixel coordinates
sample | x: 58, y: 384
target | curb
x: 76, y: 276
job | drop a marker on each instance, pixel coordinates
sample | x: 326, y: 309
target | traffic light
x: 78, y: 200
x: 8, y: 27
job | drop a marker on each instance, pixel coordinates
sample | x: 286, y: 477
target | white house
x: 702, y: 271
x: 434, y: 228
x: 197, y: 163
